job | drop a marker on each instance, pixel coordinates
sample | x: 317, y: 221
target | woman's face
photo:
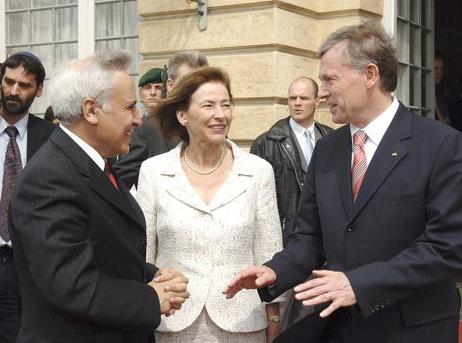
x: 209, y: 115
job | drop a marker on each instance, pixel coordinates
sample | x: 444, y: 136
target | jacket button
x: 350, y: 228
x: 301, y: 184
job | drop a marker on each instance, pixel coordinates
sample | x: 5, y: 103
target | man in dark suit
x: 379, y: 224
x: 22, y: 77
x: 78, y: 235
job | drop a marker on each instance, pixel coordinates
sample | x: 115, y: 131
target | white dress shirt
x: 299, y: 132
x: 90, y: 151
x: 375, y: 130
x: 21, y: 140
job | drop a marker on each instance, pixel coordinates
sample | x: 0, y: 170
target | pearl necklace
x: 202, y: 172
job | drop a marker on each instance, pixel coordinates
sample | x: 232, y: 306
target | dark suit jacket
x: 147, y: 141
x: 79, y: 247
x: 38, y: 131
x: 400, y: 243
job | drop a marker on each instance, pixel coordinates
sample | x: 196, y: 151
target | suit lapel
x: 37, y: 134
x: 343, y: 168
x: 180, y: 188
x: 118, y: 198
x: 388, y: 155
x: 235, y: 184
x: 317, y: 133
x: 177, y: 184
x: 94, y: 175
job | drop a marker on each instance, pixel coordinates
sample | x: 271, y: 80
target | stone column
x: 262, y: 44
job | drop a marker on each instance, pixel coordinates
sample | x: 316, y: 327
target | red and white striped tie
x: 359, y: 167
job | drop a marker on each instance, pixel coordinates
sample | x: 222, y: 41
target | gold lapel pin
x: 394, y: 154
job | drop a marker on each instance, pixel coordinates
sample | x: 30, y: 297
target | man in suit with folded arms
x: 78, y: 236
x: 379, y: 223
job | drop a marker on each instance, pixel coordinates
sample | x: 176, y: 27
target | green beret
x: 153, y: 75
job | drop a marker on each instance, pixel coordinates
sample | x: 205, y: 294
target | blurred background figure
x: 442, y: 91
x: 147, y: 140
x: 455, y: 110
x: 210, y: 208
x: 150, y: 86
x: 288, y: 146
x: 21, y: 135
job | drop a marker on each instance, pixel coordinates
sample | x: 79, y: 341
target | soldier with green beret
x: 151, y: 89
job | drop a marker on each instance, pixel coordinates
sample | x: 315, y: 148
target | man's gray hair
x: 367, y: 43
x: 92, y: 77
x: 192, y: 58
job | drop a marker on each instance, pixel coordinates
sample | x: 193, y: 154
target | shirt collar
x: 21, y: 125
x: 299, y: 130
x: 89, y: 150
x: 376, y: 129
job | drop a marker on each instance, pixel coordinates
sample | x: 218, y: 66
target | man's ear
x: 89, y: 110
x: 372, y: 74
x: 39, y: 91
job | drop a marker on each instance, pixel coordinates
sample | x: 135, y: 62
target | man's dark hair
x: 439, y: 55
x: 192, y: 58
x: 30, y: 65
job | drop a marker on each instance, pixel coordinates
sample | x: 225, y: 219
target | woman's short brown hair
x: 180, y: 97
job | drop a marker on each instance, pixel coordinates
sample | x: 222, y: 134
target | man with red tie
x: 78, y: 235
x: 379, y: 225
x: 21, y: 135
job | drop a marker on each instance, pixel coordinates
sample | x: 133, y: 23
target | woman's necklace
x: 196, y: 170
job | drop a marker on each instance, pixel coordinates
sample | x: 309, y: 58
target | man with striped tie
x: 379, y: 225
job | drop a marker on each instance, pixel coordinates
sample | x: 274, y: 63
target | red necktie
x: 359, y: 167
x: 110, y: 175
x: 11, y: 170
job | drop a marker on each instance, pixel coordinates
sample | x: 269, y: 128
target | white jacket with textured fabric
x: 211, y: 243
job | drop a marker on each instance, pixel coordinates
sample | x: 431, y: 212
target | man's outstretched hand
x: 254, y: 277
x: 326, y: 286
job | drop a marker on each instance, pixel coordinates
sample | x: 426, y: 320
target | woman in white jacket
x: 210, y: 210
